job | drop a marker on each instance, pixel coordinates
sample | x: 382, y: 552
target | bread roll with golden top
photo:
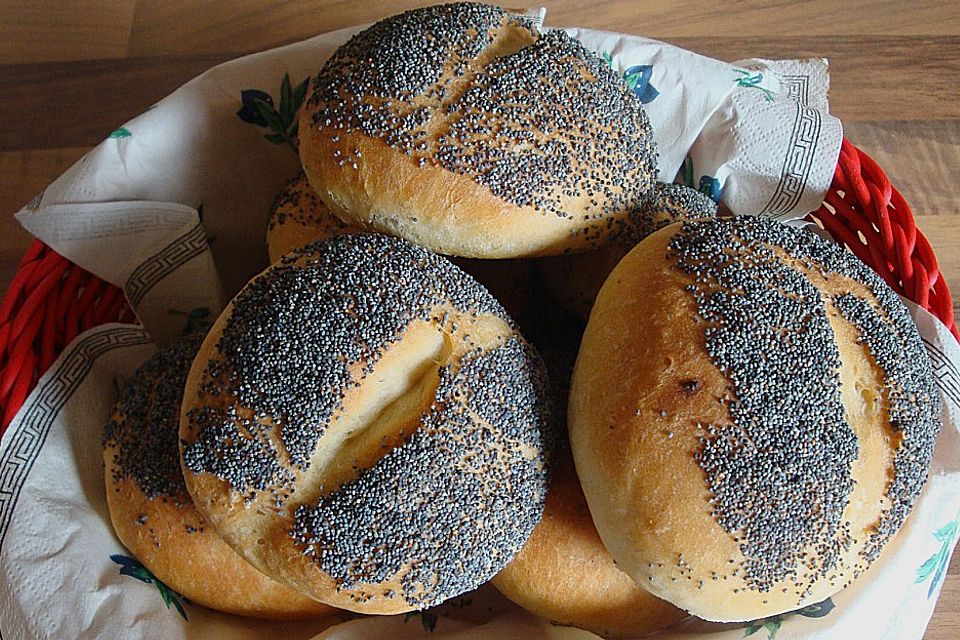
x: 298, y: 217
x: 365, y: 423
x: 463, y: 129
x: 576, y: 279
x: 153, y: 514
x: 564, y: 573
x: 752, y: 415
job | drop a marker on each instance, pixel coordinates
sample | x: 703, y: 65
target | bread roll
x: 564, y: 573
x: 752, y: 416
x: 153, y: 514
x: 576, y: 279
x: 299, y: 217
x: 465, y: 130
x: 365, y: 423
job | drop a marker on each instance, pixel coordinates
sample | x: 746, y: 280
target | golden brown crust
x: 464, y: 130
x: 400, y: 418
x: 647, y: 399
x: 153, y: 515
x: 262, y: 534
x: 298, y: 217
x: 179, y: 548
x: 564, y: 573
x: 430, y: 206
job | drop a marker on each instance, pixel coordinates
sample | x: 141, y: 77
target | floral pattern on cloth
x: 135, y: 569
x: 753, y: 80
x: 637, y: 78
x: 427, y: 618
x: 773, y: 623
x: 258, y: 108
x: 195, y: 320
x: 707, y: 185
x: 936, y: 565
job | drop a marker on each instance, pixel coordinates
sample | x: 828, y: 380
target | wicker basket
x: 51, y: 300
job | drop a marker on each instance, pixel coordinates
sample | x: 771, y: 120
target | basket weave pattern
x: 51, y: 300
x: 866, y: 213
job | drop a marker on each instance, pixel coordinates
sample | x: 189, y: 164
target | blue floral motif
x: 710, y: 187
x: 772, y: 624
x: 427, y: 618
x: 753, y: 80
x: 257, y: 107
x: 250, y: 111
x: 638, y: 79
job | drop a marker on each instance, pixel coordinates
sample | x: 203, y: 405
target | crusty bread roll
x: 465, y: 130
x: 752, y: 415
x: 364, y: 423
x: 151, y: 510
x: 564, y: 573
x: 575, y: 279
x: 298, y: 217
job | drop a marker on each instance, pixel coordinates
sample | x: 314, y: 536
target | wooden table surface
x: 72, y: 70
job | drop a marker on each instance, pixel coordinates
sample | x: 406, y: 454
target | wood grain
x: 49, y: 30
x: 920, y: 157
x: 161, y: 27
x: 69, y: 104
x: 871, y: 77
x: 24, y: 174
x: 945, y: 624
x: 51, y: 105
x: 73, y: 70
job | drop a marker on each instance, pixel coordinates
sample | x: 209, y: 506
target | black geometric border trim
x: 948, y: 376
x: 159, y: 265
x: 17, y: 458
x: 800, y: 152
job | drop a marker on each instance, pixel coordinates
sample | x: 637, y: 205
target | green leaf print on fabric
x: 133, y: 568
x: 637, y: 79
x: 197, y: 319
x: 258, y: 108
x: 752, y: 80
x: 427, y: 619
x: 122, y: 132
x: 936, y: 565
x: 772, y: 624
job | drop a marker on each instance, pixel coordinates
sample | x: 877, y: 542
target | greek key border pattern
x: 800, y: 152
x: 948, y: 376
x: 45, y: 402
x: 158, y: 266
